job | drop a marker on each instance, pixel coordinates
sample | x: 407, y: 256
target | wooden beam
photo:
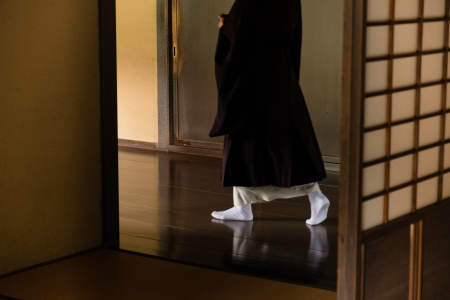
x: 351, y: 118
x: 108, y: 102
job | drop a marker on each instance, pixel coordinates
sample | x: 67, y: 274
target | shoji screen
x: 405, y: 140
x: 406, y: 149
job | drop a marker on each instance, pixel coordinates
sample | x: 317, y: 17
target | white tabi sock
x: 319, y: 207
x: 238, y: 213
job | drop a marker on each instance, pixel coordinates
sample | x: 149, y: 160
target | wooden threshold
x: 331, y: 164
x: 146, y: 146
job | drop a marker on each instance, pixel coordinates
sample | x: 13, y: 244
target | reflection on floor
x: 165, y: 205
x: 116, y: 275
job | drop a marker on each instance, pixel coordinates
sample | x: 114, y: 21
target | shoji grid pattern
x: 405, y: 158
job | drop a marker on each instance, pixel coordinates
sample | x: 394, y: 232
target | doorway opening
x: 170, y: 170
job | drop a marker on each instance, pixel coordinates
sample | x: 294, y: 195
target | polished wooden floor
x: 165, y: 205
x: 116, y: 275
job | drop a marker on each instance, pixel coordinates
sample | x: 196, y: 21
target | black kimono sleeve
x: 234, y: 66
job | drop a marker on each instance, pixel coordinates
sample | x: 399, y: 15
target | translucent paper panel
x: 401, y: 170
x: 430, y: 99
x: 403, y: 105
x: 375, y: 110
x: 372, y: 213
x: 406, y: 9
x: 446, y: 185
x: 432, y: 67
x: 427, y: 192
x: 428, y: 161
x: 377, y: 41
x: 405, y: 38
x: 374, y: 145
x: 404, y: 71
x: 434, y: 8
x: 447, y: 105
x: 447, y: 125
x: 400, y: 202
x: 446, y: 155
x: 448, y: 69
x: 402, y: 137
x: 373, y: 179
x: 433, y: 35
x: 377, y: 10
x: 429, y: 130
x: 376, y: 76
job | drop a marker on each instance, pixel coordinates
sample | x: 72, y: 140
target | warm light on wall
x: 137, y: 79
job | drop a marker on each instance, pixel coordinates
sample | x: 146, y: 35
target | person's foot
x: 319, y: 207
x: 237, y: 213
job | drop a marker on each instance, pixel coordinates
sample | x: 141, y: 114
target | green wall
x: 321, y: 70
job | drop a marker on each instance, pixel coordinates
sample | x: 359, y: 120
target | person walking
x: 270, y: 147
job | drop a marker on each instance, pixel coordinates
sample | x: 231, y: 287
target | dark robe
x: 268, y: 133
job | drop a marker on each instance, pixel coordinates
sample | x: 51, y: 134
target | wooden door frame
x: 349, y: 260
x: 165, y: 76
x: 167, y: 79
x: 349, y: 206
x: 108, y: 108
x: 174, y: 10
